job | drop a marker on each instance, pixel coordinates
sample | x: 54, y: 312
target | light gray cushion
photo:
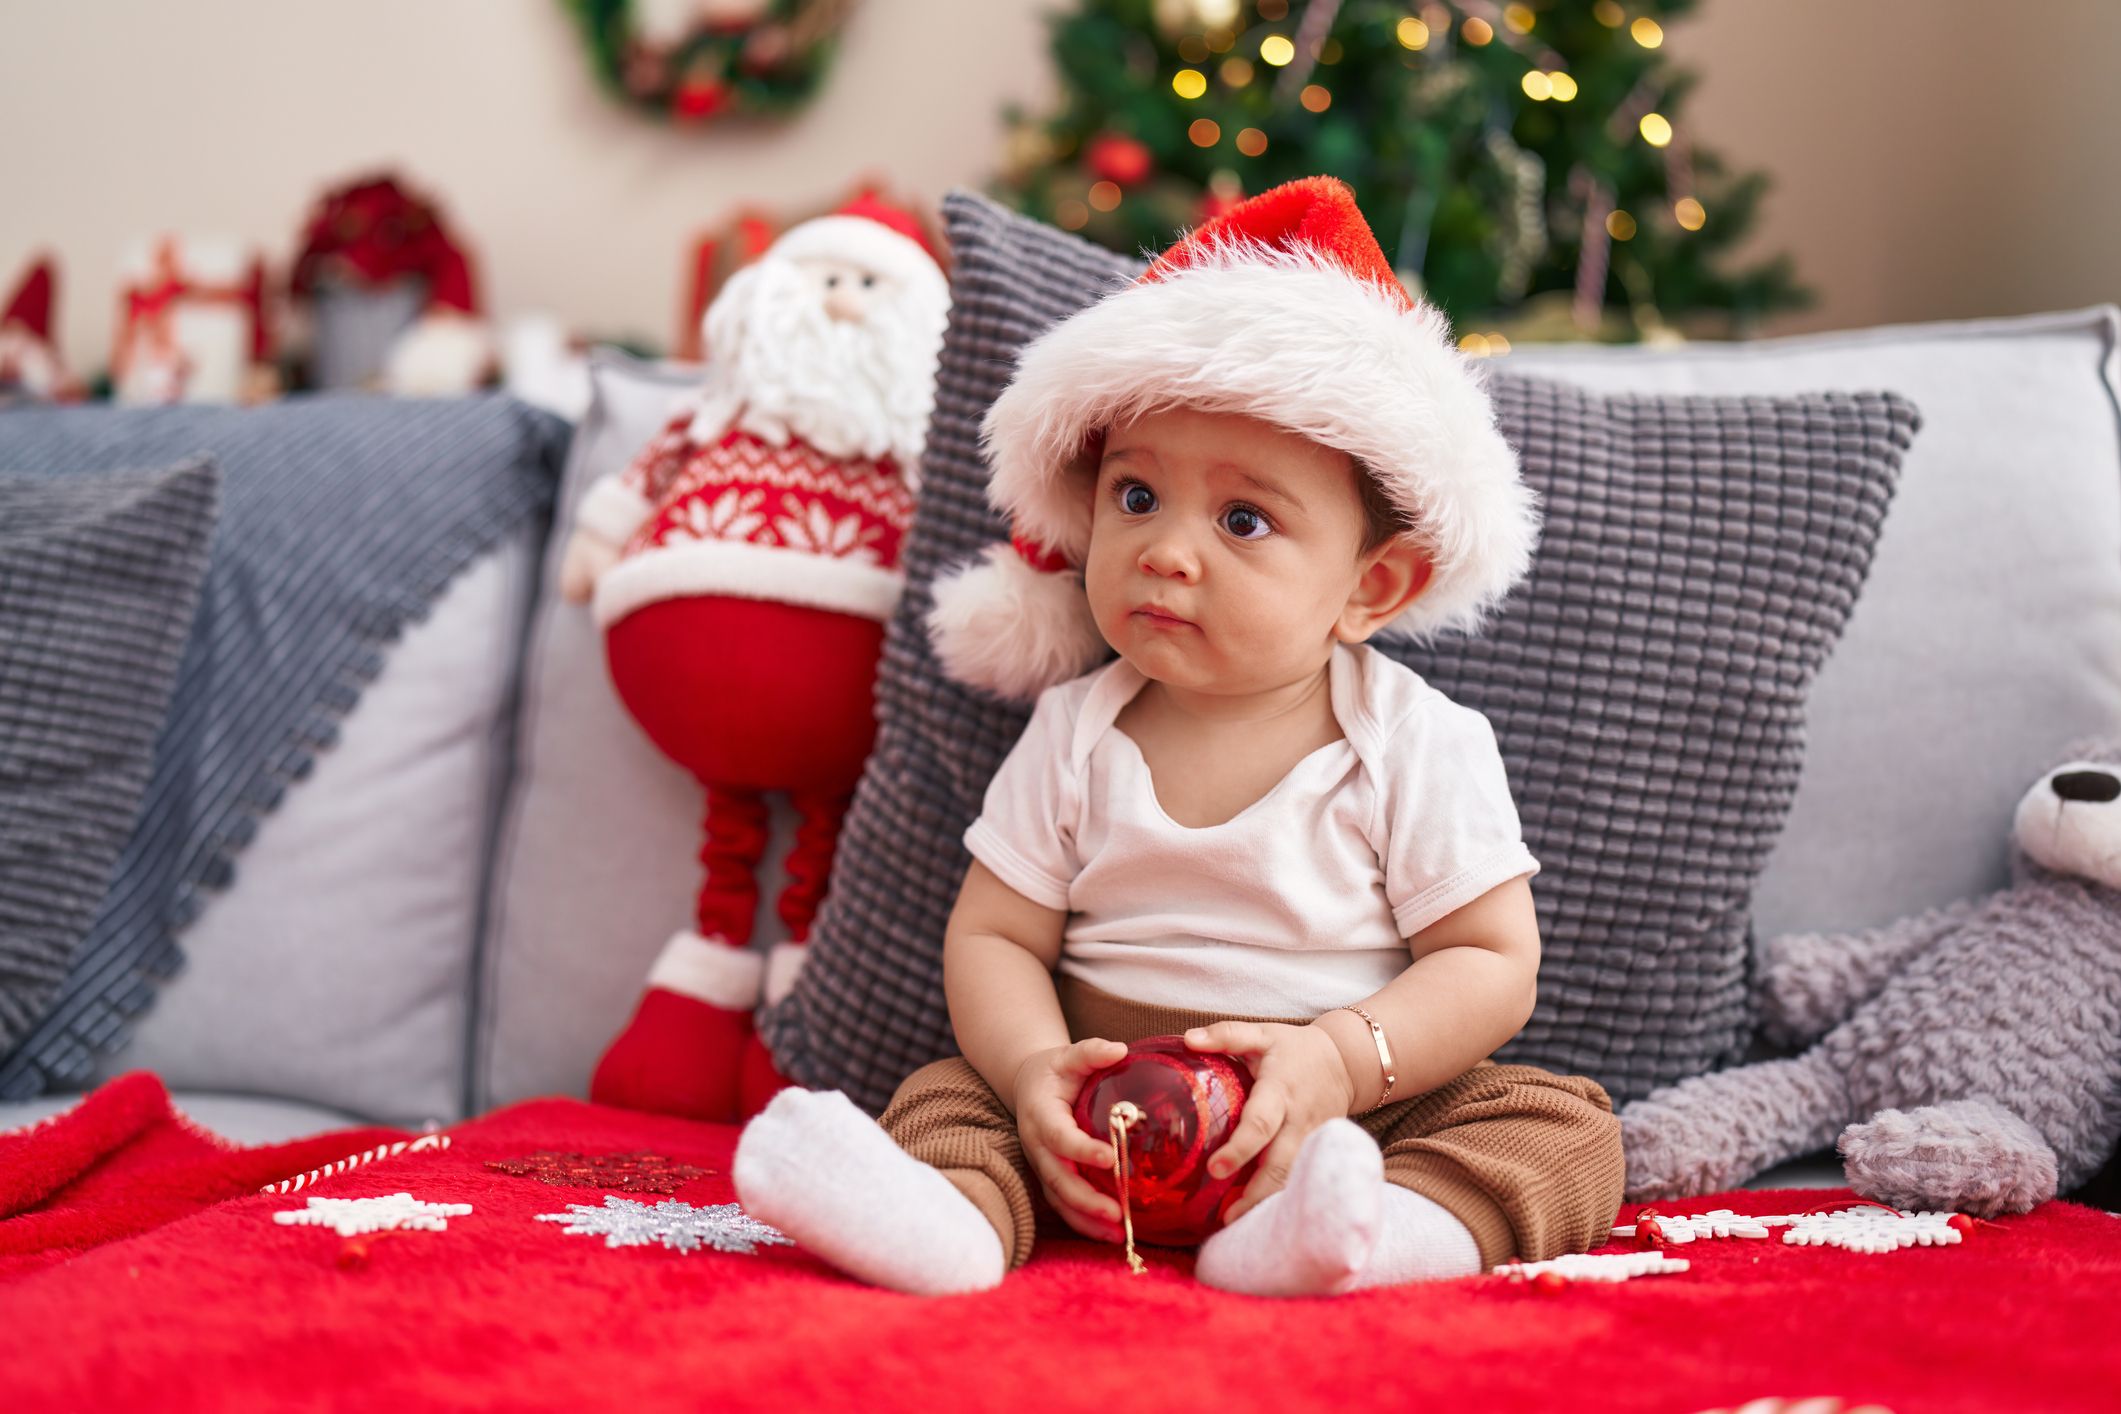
x: 1646, y: 686
x: 598, y: 860
x: 343, y: 518
x: 1989, y: 631
x: 99, y: 581
x: 337, y: 966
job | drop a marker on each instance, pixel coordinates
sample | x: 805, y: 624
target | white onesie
x: 1301, y: 902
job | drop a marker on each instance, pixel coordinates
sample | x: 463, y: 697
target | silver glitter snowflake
x: 622, y: 1222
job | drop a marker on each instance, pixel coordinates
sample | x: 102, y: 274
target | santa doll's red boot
x: 808, y: 868
x: 758, y: 1079
x: 683, y: 1051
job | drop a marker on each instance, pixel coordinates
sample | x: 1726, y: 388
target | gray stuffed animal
x: 1969, y: 1058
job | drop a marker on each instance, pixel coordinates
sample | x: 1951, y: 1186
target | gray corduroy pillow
x: 1699, y: 558
x: 99, y: 580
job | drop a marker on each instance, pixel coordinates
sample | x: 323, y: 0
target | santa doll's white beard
x: 847, y: 388
x: 26, y: 363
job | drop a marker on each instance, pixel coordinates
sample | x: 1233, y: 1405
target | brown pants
x: 1529, y: 1161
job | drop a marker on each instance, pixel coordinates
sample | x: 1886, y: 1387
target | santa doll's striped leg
x: 809, y: 871
x: 685, y: 1049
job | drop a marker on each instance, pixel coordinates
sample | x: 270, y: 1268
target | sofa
x: 456, y: 909
x: 439, y: 922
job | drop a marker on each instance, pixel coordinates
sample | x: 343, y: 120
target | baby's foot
x: 1338, y: 1226
x: 1421, y: 1241
x: 1315, y: 1235
x: 823, y: 1172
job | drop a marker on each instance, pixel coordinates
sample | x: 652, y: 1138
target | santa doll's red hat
x: 450, y: 284
x: 868, y: 229
x: 1283, y: 308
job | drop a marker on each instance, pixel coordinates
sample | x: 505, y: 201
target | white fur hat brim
x: 1284, y: 334
x: 867, y: 243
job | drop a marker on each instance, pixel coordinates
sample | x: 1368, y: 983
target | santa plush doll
x: 742, y: 568
x: 449, y: 350
x: 367, y: 239
x: 31, y: 370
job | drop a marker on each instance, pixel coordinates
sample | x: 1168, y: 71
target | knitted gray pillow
x: 99, y: 580
x: 1699, y: 558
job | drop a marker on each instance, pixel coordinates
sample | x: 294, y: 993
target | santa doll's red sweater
x: 742, y: 516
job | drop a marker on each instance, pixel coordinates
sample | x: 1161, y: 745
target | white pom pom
x: 443, y: 355
x: 1011, y: 629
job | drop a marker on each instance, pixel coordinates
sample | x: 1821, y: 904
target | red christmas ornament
x: 698, y: 99
x: 1114, y: 157
x: 1186, y: 1104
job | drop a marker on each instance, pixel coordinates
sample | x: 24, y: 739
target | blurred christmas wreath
x: 691, y: 60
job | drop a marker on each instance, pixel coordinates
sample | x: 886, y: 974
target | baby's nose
x: 1168, y: 557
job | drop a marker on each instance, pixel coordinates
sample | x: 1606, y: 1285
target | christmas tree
x: 1523, y: 165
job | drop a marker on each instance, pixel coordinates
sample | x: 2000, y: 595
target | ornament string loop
x: 1122, y: 1114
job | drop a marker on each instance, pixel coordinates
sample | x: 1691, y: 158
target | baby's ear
x: 1395, y: 578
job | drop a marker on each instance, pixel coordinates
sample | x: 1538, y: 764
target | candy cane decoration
x: 435, y: 1142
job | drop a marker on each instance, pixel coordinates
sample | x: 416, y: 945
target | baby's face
x: 1244, y: 534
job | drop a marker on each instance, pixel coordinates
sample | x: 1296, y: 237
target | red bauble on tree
x: 699, y: 98
x: 1187, y: 1105
x: 1114, y: 157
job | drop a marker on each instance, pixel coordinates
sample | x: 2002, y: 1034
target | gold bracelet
x: 1384, y: 1053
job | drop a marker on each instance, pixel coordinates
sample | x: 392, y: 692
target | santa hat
x: 1283, y: 308
x: 449, y: 282
x: 31, y: 304
x: 871, y: 232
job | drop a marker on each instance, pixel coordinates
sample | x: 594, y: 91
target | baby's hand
x: 1044, y: 1100
x: 1299, y: 1082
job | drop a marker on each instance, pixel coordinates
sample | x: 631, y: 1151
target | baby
x: 1250, y: 828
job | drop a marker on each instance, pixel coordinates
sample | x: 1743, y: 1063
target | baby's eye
x: 1246, y: 523
x: 868, y: 280
x: 1135, y: 498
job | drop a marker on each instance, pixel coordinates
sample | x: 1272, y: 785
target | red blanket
x: 139, y: 1267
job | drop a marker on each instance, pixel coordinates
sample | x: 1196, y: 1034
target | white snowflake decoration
x: 350, y: 1217
x: 1612, y: 1266
x: 1722, y: 1222
x: 622, y: 1222
x: 1872, y: 1230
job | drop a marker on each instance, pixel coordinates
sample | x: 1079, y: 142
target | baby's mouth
x: 1162, y: 617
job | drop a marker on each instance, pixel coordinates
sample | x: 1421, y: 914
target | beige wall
x: 1933, y: 158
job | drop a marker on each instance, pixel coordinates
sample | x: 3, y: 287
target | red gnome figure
x: 742, y: 569
x: 31, y: 370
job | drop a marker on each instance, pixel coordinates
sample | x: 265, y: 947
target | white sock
x: 1337, y: 1226
x: 1314, y: 1235
x: 1422, y: 1240
x: 826, y: 1174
